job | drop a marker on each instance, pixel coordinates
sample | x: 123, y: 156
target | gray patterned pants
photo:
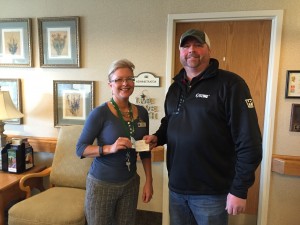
x: 111, y: 203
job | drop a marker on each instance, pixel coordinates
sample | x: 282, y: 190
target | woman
x: 112, y: 183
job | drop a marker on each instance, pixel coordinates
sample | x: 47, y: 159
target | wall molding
x: 286, y: 165
x: 46, y: 144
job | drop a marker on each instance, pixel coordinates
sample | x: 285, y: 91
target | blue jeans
x: 197, y: 209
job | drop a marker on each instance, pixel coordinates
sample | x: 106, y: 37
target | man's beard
x: 192, y: 61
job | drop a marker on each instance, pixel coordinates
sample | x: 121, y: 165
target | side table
x: 10, y: 191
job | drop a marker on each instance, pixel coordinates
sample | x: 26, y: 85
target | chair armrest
x: 27, y: 189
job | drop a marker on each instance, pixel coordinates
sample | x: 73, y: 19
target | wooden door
x: 241, y: 47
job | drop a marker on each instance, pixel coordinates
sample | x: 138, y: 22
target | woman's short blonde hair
x: 122, y: 63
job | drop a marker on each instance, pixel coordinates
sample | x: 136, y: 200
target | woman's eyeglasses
x: 122, y: 80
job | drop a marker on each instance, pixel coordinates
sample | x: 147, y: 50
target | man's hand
x: 235, y: 205
x: 151, y: 140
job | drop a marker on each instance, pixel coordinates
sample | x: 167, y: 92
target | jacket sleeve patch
x: 249, y: 103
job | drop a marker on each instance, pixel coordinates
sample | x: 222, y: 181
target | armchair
x: 63, y: 202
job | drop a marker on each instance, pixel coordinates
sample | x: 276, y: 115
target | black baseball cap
x: 201, y: 36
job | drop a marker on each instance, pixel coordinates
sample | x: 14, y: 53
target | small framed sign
x: 292, y: 84
x: 146, y: 79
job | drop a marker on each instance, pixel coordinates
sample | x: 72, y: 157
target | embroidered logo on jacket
x: 249, y: 103
x: 198, y: 95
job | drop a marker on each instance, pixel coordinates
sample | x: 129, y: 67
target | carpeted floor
x: 148, y: 218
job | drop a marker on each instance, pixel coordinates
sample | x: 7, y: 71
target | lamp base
x: 3, y: 137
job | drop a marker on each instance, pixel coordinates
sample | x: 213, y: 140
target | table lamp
x: 7, y: 111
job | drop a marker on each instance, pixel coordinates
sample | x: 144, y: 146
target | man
x: 213, y: 139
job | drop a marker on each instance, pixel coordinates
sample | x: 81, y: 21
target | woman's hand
x: 147, y: 192
x: 120, y: 144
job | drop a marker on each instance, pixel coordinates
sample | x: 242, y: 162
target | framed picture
x: 59, y: 42
x: 73, y: 101
x: 14, y: 88
x: 295, y: 118
x: 15, y: 42
x: 292, y: 84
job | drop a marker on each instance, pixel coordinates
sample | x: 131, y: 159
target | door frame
x: 276, y: 16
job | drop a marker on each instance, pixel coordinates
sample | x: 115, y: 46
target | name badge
x: 141, y: 124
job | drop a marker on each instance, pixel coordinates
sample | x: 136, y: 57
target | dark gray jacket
x: 211, y: 130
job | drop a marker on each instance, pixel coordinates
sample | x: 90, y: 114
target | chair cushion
x: 55, y: 206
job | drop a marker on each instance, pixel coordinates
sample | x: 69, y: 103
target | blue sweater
x: 106, y: 128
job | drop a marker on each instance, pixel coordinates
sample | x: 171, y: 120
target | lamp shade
x: 7, y: 108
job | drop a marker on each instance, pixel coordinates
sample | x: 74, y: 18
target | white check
x: 141, y: 146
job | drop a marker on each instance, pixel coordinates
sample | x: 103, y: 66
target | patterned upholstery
x: 63, y: 203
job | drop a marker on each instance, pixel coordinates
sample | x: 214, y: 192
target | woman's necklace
x: 129, y: 127
x: 125, y: 114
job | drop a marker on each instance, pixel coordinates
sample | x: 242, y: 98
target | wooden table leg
x: 2, y: 211
x: 9, y: 196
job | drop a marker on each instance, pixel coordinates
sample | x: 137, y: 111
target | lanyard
x: 129, y: 129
